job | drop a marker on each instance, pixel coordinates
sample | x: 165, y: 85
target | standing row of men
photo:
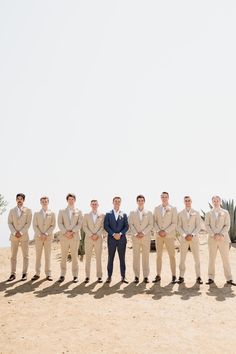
x: 141, y: 223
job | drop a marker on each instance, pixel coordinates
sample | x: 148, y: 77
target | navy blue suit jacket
x: 113, y: 226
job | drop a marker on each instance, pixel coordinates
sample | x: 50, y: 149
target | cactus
x: 228, y: 205
x: 3, y: 204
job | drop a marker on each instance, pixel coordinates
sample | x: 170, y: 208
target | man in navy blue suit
x: 116, y: 225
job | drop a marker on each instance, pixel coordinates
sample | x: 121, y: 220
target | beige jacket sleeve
x: 79, y: 223
x: 61, y: 223
x: 172, y: 226
x: 27, y: 224
x: 10, y: 223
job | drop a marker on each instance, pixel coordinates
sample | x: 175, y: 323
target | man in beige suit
x: 19, y: 220
x: 218, y: 224
x: 94, y: 231
x: 189, y: 225
x: 43, y: 223
x: 165, y: 223
x: 140, y: 227
x: 70, y: 222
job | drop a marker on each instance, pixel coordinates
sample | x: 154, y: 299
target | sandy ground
x: 45, y: 317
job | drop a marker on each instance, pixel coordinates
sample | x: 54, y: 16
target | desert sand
x: 44, y: 317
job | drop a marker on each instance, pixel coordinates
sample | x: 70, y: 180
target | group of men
x: 165, y: 222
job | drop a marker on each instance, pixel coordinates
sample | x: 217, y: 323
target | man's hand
x: 218, y: 237
x: 18, y: 234
x: 42, y: 237
x: 189, y: 237
x: 162, y: 233
x: 140, y: 235
x: 116, y: 236
x: 69, y: 234
x: 94, y: 237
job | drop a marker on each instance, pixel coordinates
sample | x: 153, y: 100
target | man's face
x: 140, y: 203
x: 116, y: 203
x: 216, y: 202
x: 164, y: 198
x: 94, y: 206
x: 71, y: 202
x: 44, y: 202
x: 19, y: 201
x: 187, y: 203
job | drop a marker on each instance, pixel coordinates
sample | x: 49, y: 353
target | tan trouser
x: 213, y: 246
x: 141, y: 246
x: 47, y: 246
x: 72, y: 245
x: 25, y: 253
x: 89, y: 246
x: 170, y: 246
x: 194, y: 246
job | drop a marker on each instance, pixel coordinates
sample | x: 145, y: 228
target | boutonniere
x: 48, y: 213
x: 221, y: 213
x: 121, y: 215
x: 192, y: 214
x: 168, y: 209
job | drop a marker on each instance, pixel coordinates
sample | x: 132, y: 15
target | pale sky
x: 105, y: 98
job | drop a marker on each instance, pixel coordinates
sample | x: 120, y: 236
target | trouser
x: 72, y: 245
x: 194, y: 247
x: 25, y: 253
x: 170, y: 246
x: 223, y: 247
x: 45, y: 245
x: 120, y: 246
x: 97, y: 246
x: 141, y: 246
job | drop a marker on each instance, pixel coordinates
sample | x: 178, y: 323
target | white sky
x: 105, y: 98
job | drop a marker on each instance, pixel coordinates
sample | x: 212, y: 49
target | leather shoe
x: 12, y: 277
x: 61, y: 279
x: 136, y: 280
x: 199, y: 280
x: 210, y: 281
x: 49, y: 278
x: 86, y: 280
x: 230, y: 282
x: 75, y: 280
x: 173, y: 281
x: 35, y: 277
x: 157, y: 279
x: 180, y: 280
x: 124, y: 280
x: 145, y: 280
x: 108, y: 280
x: 24, y: 277
x: 99, y: 280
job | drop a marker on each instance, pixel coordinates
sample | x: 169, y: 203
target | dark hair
x: 44, y: 197
x: 187, y: 196
x: 140, y: 196
x: 70, y: 195
x: 94, y: 201
x: 20, y: 195
x: 116, y: 198
x: 165, y: 193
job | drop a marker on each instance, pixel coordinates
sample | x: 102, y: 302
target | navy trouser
x: 120, y: 245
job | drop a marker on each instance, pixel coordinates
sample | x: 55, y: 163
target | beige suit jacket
x: 189, y: 225
x: 44, y: 225
x: 168, y: 222
x: 65, y: 224
x: 136, y: 225
x: 19, y: 223
x: 90, y: 228
x: 220, y: 225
